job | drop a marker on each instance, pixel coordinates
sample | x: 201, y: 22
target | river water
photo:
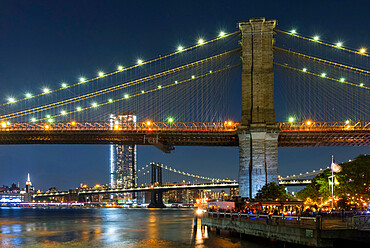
x: 108, y: 227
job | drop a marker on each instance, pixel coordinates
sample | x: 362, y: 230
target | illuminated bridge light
x: 148, y: 123
x: 50, y: 120
x: 159, y: 86
x: 200, y: 41
x: 28, y: 95
x: 210, y: 71
x: 73, y: 123
x: 291, y: 119
x: 180, y: 48
x: 45, y: 90
x: 82, y: 79
x: 361, y: 84
x: 116, y: 127
x: 3, y: 124
x: 142, y: 92
x: 192, y: 76
x: 48, y: 116
x: 222, y: 34
x: 304, y: 69
x: 11, y: 99
x: 33, y: 119
x: 126, y: 96
x: 101, y: 74
x: 342, y: 80
x: 339, y: 44
x: 347, y: 121
x: 78, y: 108
x: 323, y: 74
x: 63, y: 112
x: 308, y: 123
x: 176, y: 82
x: 94, y: 104
x: 293, y: 31
x: 170, y: 120
x: 316, y: 38
x: 64, y: 85
x: 139, y: 61
x: 110, y: 100
x: 120, y: 68
x: 362, y: 50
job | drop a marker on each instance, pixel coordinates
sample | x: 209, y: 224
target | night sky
x: 44, y: 42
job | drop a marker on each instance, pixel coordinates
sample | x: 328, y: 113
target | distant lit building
x: 123, y: 157
x: 29, y: 187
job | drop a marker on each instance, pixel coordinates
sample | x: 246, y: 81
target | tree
x: 353, y: 188
x: 273, y: 191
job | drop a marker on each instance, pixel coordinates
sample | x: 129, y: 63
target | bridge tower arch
x: 258, y: 134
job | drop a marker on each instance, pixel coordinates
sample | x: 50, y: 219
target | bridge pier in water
x: 258, y: 134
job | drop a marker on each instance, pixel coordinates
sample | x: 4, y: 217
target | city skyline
x: 107, y: 36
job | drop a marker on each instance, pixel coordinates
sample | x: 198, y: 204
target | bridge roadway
x: 166, y: 135
x: 231, y: 184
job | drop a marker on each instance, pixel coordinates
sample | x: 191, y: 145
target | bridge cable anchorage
x: 324, y: 43
x: 148, y: 91
x: 114, y: 88
x: 326, y: 62
x: 314, y: 74
x: 123, y: 69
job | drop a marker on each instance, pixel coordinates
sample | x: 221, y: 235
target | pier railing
x: 359, y: 222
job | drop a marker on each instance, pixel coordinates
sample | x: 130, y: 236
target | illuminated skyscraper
x: 29, y: 187
x: 122, y: 157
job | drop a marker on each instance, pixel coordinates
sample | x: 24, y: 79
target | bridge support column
x: 258, y: 134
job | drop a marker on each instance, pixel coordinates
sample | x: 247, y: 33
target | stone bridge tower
x: 258, y: 134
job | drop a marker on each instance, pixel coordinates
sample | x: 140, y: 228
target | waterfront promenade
x: 315, y: 231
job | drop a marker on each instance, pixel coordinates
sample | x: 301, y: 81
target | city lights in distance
x: 82, y: 79
x: 222, y: 34
x: 304, y: 69
x: 139, y: 61
x: 28, y: 95
x: 120, y: 68
x: 200, y: 41
x: 323, y: 74
x: 101, y: 74
x: 11, y: 99
x: 316, y: 38
x: 45, y: 90
x: 180, y: 48
x: 94, y: 104
x: 64, y: 85
x: 339, y: 44
x: 342, y: 79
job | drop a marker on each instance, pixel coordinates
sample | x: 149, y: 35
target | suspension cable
x: 149, y: 91
x: 314, y: 74
x: 324, y: 43
x: 327, y: 62
x: 123, y: 69
x: 114, y: 88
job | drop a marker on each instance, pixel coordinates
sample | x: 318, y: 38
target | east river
x: 108, y: 227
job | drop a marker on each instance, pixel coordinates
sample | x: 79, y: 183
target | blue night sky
x: 43, y: 42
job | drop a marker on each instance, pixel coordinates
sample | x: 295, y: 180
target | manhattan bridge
x: 296, y: 91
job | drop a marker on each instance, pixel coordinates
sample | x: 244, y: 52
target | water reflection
x: 107, y: 228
